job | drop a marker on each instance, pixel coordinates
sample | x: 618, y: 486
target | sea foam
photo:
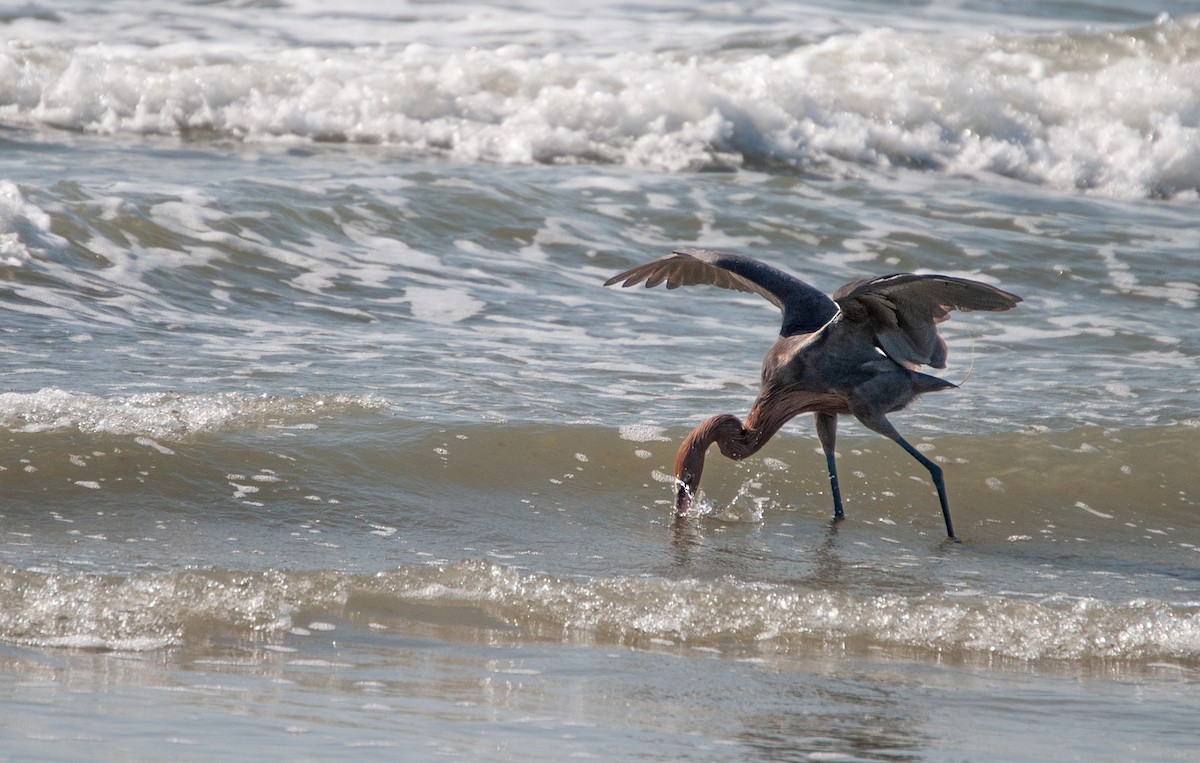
x: 157, y: 416
x: 151, y: 611
x: 1109, y: 112
x: 24, y: 228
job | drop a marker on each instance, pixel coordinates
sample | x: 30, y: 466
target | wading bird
x: 856, y: 352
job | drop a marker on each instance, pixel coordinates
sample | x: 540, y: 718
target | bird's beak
x: 683, y: 498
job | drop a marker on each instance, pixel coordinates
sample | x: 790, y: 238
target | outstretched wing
x: 804, y: 307
x: 903, y: 311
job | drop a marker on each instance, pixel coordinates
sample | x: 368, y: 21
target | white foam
x: 81, y: 611
x: 158, y: 416
x: 24, y: 228
x: 150, y: 443
x: 702, y: 613
x: 643, y: 433
x: 1105, y: 112
x: 444, y: 305
x: 1093, y: 512
x: 153, y: 611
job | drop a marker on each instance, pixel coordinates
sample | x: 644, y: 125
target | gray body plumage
x: 854, y: 352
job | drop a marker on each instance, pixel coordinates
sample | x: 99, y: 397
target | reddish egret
x: 857, y: 353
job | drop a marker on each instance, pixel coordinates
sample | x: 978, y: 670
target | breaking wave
x: 69, y: 609
x: 1109, y: 112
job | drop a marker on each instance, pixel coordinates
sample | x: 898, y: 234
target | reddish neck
x: 736, y: 440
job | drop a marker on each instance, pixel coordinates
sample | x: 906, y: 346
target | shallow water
x: 319, y: 434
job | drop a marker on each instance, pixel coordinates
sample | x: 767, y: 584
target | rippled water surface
x: 321, y: 438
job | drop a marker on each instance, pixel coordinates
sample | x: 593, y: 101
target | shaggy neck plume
x: 737, y: 440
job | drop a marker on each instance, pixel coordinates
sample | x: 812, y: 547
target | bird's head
x: 685, y: 492
x: 689, y: 463
x: 689, y: 459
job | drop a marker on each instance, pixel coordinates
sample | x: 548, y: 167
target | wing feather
x: 805, y: 308
x: 903, y: 311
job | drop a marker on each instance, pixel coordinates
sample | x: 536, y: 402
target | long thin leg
x: 826, y: 424
x: 880, y: 424
x: 935, y: 473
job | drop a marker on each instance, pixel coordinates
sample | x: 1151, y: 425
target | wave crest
x: 162, y: 415
x: 1105, y: 112
x: 154, y: 611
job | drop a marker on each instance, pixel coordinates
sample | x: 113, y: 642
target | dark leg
x: 935, y: 473
x: 827, y: 433
x: 884, y: 427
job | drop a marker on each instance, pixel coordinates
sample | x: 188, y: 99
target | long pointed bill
x: 683, y: 498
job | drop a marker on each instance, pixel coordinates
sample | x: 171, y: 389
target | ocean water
x: 320, y: 437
